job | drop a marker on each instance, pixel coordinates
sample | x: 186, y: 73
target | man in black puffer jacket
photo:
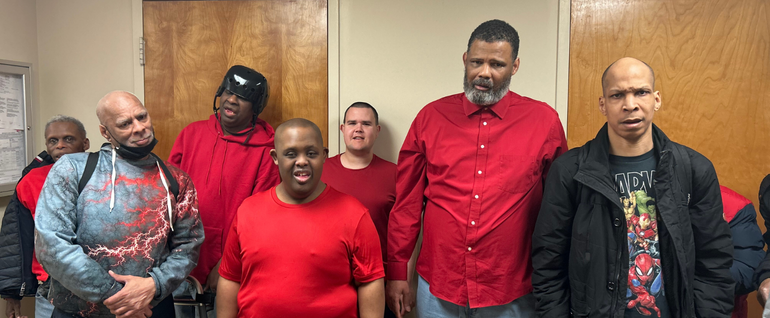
x: 631, y: 223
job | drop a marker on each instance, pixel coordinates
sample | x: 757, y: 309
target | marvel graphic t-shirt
x: 633, y: 182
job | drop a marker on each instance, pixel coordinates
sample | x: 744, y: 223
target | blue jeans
x: 429, y: 306
x: 43, y: 307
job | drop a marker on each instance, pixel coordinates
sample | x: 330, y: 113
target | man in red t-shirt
x: 63, y: 135
x: 301, y: 249
x: 364, y: 175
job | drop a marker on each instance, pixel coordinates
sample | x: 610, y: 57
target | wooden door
x: 712, y: 66
x: 189, y: 45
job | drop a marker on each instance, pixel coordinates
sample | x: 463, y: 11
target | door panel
x: 189, y: 45
x: 711, y: 61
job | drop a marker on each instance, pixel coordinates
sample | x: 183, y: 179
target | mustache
x: 485, y: 82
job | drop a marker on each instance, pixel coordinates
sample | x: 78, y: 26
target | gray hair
x: 67, y: 119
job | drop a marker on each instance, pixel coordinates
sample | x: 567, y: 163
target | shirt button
x: 616, y: 222
x: 473, y: 223
x: 479, y: 171
x: 485, y: 123
x: 611, y: 286
x: 482, y: 146
x: 476, y: 196
x: 469, y: 248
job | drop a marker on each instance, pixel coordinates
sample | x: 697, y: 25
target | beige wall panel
x: 86, y: 51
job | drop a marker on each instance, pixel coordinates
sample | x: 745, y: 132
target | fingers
x: 118, y: 277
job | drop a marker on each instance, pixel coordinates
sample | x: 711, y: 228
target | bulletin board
x: 15, y: 123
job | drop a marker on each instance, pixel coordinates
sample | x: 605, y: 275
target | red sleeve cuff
x: 397, y: 270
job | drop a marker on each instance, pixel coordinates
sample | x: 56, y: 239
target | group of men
x: 513, y: 225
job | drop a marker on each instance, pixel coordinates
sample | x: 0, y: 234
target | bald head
x: 113, y: 100
x: 298, y: 123
x: 124, y: 120
x: 623, y: 66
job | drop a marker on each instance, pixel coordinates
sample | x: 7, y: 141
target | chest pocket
x: 517, y: 174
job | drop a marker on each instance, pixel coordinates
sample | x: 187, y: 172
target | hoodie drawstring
x: 162, y: 179
x: 168, y: 195
x: 222, y: 169
x: 211, y: 161
x: 112, y: 190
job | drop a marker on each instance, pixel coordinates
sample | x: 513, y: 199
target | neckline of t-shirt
x: 371, y: 163
x: 278, y: 201
x: 639, y: 158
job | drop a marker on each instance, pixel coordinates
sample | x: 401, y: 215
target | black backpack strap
x: 683, y: 172
x: 173, y: 186
x: 93, y: 159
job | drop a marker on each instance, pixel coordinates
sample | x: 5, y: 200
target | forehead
x: 298, y: 138
x: 61, y: 128
x: 499, y: 50
x: 628, y: 76
x: 124, y: 108
x: 360, y: 113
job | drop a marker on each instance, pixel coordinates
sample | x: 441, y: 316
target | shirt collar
x: 499, y: 109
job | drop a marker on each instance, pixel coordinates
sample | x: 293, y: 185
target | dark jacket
x: 17, y: 239
x: 763, y: 270
x: 580, y: 252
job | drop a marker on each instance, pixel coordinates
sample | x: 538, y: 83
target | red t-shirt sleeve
x: 231, y: 256
x: 367, y: 255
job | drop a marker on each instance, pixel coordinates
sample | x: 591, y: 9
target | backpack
x: 17, y: 236
x: 17, y: 243
x: 93, y: 159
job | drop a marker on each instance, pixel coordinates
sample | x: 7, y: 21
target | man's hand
x: 763, y: 291
x: 13, y: 308
x: 398, y: 296
x: 213, y: 279
x: 134, y: 299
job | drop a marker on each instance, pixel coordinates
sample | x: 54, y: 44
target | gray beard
x: 484, y: 98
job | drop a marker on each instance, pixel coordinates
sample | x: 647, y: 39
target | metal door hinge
x: 141, y: 51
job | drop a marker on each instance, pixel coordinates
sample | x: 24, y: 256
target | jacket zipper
x: 23, y: 287
x: 617, y: 284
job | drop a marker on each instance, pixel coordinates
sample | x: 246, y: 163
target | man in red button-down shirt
x: 477, y: 160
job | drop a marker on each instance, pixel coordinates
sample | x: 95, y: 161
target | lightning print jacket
x: 120, y: 222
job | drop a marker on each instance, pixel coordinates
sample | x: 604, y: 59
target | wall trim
x: 562, y: 62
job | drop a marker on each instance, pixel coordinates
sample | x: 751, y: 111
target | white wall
x: 18, y: 42
x: 85, y: 51
x: 400, y: 55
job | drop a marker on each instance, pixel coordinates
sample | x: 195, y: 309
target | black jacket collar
x: 594, y: 166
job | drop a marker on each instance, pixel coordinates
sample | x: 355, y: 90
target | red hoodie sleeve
x: 268, y: 176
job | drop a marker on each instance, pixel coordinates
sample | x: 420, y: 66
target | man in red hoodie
x: 228, y: 159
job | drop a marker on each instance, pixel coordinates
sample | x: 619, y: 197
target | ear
x: 516, y: 64
x: 602, y: 107
x: 274, y: 155
x: 342, y: 126
x: 658, y: 100
x: 379, y: 128
x: 86, y: 144
x: 326, y: 153
x: 465, y: 57
x: 103, y: 131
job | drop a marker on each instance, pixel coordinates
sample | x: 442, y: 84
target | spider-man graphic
x: 644, y: 282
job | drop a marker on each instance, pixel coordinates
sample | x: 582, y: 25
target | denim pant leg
x: 523, y: 306
x: 43, y: 307
x: 431, y: 306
